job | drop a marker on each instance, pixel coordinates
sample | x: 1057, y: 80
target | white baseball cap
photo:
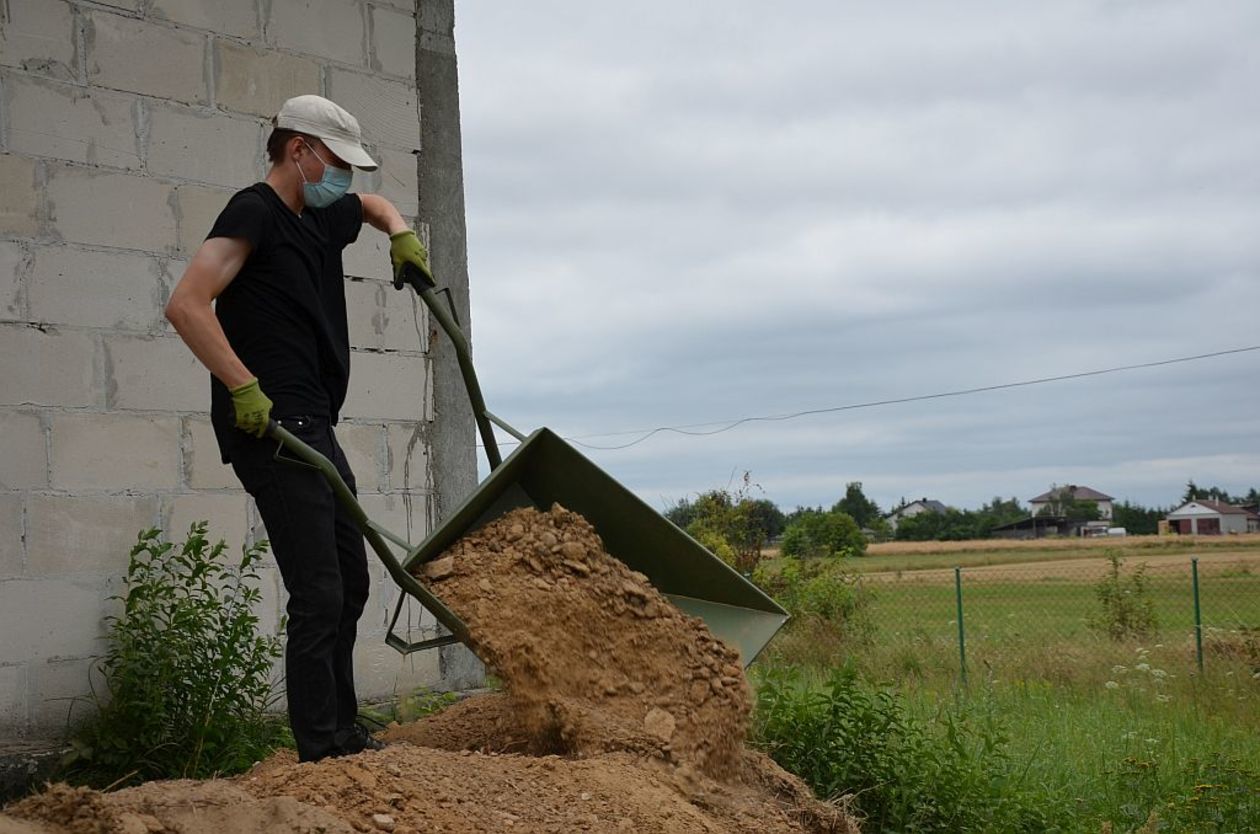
x: 317, y: 116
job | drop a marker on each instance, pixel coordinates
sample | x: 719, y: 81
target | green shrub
x: 818, y: 534
x: 829, y: 610
x: 815, y: 588
x: 187, y: 673
x: 849, y: 740
x: 1127, y: 609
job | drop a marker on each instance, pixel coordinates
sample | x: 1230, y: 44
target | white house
x: 923, y: 505
x: 1078, y: 493
x: 1212, y: 518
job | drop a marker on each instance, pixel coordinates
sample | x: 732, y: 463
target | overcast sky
x: 685, y: 213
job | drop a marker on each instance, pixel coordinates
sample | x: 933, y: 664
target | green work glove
x: 253, y: 409
x: 406, y: 248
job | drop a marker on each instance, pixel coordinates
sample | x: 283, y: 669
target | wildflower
x: 1152, y: 741
x: 1158, y: 674
x: 1143, y: 667
x: 1163, y: 699
x: 1118, y: 669
x: 1111, y: 685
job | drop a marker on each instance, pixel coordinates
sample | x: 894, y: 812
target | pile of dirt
x: 179, y: 807
x: 594, y: 657
x: 621, y: 714
x: 405, y: 789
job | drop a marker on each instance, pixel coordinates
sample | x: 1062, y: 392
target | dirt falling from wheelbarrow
x: 593, y: 656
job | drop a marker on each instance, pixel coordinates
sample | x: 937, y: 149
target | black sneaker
x: 356, y: 739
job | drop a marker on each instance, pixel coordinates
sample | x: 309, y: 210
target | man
x: 262, y: 305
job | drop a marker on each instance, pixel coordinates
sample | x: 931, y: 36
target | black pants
x: 324, y: 566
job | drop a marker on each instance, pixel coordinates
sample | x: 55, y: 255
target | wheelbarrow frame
x: 541, y: 471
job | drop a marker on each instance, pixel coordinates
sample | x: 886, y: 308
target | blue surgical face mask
x: 330, y: 188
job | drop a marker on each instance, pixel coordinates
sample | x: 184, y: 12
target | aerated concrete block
x: 19, y: 197
x: 13, y: 715
x: 44, y: 366
x: 198, y: 208
x: 47, y: 618
x: 407, y: 464
x: 203, y: 467
x: 58, y: 689
x: 114, y: 452
x: 228, y: 17
x: 114, y: 290
x: 396, y: 180
x: 363, y: 445
x: 216, y: 149
x: 368, y: 257
x: 65, y: 121
x: 106, y: 209
x: 155, y: 374
x: 388, y: 387
x: 383, y: 318
x: 324, y: 28
x: 12, y: 534
x: 39, y: 37
x: 387, y: 110
x: 14, y: 262
x: 23, y: 456
x: 84, y: 535
x: 150, y: 58
x: 381, y: 673
x: 394, y: 42
x: 251, y: 81
x: 226, y: 513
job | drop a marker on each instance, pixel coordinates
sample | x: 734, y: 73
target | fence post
x: 962, y: 633
x: 1198, y: 613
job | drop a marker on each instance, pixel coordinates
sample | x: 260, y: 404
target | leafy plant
x: 1127, y: 610
x: 187, y: 673
x: 1218, y: 794
x: 848, y: 740
x: 818, y: 534
x: 422, y: 702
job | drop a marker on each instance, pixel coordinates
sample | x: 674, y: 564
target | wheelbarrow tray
x: 545, y: 470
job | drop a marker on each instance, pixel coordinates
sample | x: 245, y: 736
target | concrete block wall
x: 124, y: 127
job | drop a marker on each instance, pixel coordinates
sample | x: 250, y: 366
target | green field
x: 1103, y: 730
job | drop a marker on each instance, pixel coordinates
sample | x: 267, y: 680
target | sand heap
x: 621, y: 714
x: 594, y: 656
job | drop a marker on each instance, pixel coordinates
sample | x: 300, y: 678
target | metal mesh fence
x: 1078, y: 620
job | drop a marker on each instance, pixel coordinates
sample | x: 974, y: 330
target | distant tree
x: 767, y: 516
x: 1003, y: 511
x: 728, y: 522
x: 682, y: 513
x: 951, y: 525
x: 1214, y: 493
x: 857, y: 506
x: 1136, y: 519
x: 818, y: 533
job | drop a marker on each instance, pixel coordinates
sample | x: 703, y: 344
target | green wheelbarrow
x: 544, y: 470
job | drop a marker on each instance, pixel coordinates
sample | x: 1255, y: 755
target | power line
x: 718, y: 427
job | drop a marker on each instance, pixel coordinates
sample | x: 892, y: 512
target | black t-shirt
x: 285, y: 311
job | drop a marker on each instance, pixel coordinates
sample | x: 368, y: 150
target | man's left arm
x: 404, y: 246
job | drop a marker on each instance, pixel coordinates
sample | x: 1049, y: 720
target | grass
x: 1101, y: 731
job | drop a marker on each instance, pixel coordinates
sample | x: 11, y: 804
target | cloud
x: 686, y: 214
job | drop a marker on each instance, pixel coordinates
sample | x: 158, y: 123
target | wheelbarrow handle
x: 426, y: 288
x: 300, y: 454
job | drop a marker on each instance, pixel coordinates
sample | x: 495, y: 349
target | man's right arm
x: 212, y: 268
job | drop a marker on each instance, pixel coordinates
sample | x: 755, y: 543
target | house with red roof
x: 1203, y: 517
